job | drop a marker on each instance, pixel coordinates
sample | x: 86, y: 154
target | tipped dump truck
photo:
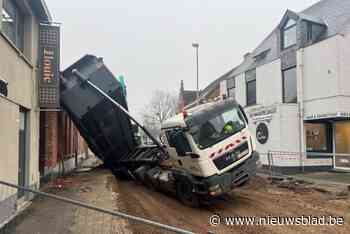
x: 203, y: 152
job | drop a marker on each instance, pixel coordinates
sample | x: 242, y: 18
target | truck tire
x: 184, y: 192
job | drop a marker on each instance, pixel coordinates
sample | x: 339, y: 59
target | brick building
x: 61, y: 146
x: 185, y: 97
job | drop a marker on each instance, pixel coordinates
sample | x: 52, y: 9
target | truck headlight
x: 214, y: 190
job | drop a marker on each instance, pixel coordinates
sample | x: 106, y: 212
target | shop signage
x: 262, y: 133
x: 49, y: 72
x: 262, y: 114
x: 328, y: 115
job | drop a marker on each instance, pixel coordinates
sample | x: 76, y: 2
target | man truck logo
x: 262, y: 133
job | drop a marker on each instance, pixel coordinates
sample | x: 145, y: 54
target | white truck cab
x: 210, y: 142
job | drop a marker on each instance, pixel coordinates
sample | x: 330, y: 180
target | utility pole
x: 196, y: 46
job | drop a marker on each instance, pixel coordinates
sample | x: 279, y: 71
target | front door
x: 22, y: 151
x: 342, y: 145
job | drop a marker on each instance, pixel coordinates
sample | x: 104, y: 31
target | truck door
x: 179, y: 149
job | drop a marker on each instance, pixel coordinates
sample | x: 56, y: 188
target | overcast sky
x: 149, y: 42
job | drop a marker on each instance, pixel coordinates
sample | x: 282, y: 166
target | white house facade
x: 295, y: 88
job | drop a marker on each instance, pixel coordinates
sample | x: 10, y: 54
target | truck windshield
x: 221, y: 126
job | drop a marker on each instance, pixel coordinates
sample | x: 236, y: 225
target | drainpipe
x: 301, y: 107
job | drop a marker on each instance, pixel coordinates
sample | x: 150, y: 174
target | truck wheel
x: 184, y: 192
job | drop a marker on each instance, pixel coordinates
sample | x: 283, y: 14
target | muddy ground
x: 100, y: 188
x: 260, y: 198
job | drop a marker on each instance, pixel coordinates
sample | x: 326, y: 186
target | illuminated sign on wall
x: 49, y: 54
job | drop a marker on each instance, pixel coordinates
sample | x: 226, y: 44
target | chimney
x: 182, y: 88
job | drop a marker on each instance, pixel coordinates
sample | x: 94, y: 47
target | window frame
x: 169, y: 137
x: 329, y: 138
x: 249, y: 80
x: 311, y: 35
x: 283, y: 83
x: 231, y: 87
x: 283, y: 31
x: 19, y: 28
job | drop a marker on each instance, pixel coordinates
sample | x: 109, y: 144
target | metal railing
x: 275, y: 163
x: 278, y: 163
x: 65, y: 216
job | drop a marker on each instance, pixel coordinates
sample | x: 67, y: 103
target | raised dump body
x: 107, y: 130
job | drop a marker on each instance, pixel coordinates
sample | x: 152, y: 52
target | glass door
x: 342, y: 145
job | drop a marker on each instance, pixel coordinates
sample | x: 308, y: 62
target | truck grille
x: 231, y: 157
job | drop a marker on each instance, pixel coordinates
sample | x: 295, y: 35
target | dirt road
x: 99, y: 187
x: 260, y: 198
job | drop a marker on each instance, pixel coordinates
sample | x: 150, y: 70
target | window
x: 250, y: 77
x: 231, y: 86
x: 289, y: 34
x: 318, y: 137
x: 289, y: 82
x: 177, y: 139
x: 261, y: 56
x: 221, y: 125
x: 342, y: 138
x: 314, y: 31
x: 3, y: 88
x: 13, y: 23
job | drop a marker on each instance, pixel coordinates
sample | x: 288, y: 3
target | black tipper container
x: 106, y: 129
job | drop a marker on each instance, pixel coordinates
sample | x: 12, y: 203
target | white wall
x: 283, y: 131
x: 9, y: 125
x: 321, y: 69
x: 269, y: 83
x: 326, y: 75
x: 289, y: 128
x: 344, y: 63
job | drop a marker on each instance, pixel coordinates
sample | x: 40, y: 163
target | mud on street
x: 260, y: 198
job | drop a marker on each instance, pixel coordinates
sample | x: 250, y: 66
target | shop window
x: 289, y: 34
x: 318, y: 137
x: 289, y: 82
x: 231, y: 88
x: 13, y: 23
x: 342, y: 138
x: 251, y: 87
